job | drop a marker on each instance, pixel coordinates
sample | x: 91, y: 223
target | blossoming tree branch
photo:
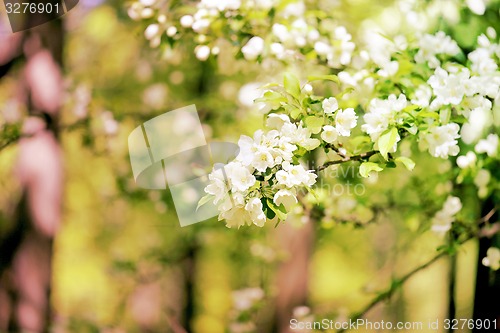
x: 415, y: 87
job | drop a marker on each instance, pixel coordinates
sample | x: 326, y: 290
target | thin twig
x: 397, y: 283
x: 13, y: 140
x: 359, y: 157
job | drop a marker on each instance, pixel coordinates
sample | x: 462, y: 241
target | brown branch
x: 386, y: 294
x: 394, y: 286
x: 358, y: 157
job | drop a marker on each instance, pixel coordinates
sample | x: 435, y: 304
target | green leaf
x: 292, y: 85
x: 281, y: 215
x: 366, y: 167
x: 314, y: 124
x: 387, y: 141
x: 204, y: 200
x: 295, y: 113
x: 444, y: 116
x: 412, y: 107
x: 270, y: 85
x: 407, y: 162
x: 313, y: 193
x: 333, y: 78
x: 272, y: 97
x: 270, y: 214
x: 390, y: 164
x: 315, y: 106
x: 427, y: 114
x: 345, y: 92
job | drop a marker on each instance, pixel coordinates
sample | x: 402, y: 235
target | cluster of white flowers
x: 146, y: 9
x: 432, y: 45
x: 141, y: 9
x: 482, y: 177
x: 263, y: 170
x: 292, y: 33
x: 382, y: 114
x: 441, y: 141
x: 481, y: 58
x: 443, y: 219
x: 345, y: 120
x: 467, y: 160
x: 492, y: 259
x: 449, y: 88
x: 481, y: 180
x: 253, y: 48
x: 245, y: 301
x: 338, y: 51
x: 488, y: 145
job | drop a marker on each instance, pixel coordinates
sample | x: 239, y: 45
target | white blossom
x: 294, y: 175
x: 322, y: 48
x: 345, y: 120
x: 239, y: 176
x: 443, y: 219
x: 476, y: 6
x: 202, y: 52
x: 152, y: 31
x: 254, y: 208
x: 300, y: 136
x: 217, y: 187
x: 482, y: 178
x: 329, y: 134
x: 432, y: 45
x: 482, y: 63
x: 479, y: 118
x: 492, y: 259
x: 423, y: 96
x: 187, y: 21
x: 285, y: 197
x: 278, y: 50
x: 253, y: 48
x: 276, y: 120
x: 466, y: 160
x: 330, y: 105
x: 488, y: 145
x: 449, y: 88
x: 262, y: 159
x: 381, y: 114
x: 244, y: 299
x: 147, y: 3
x: 441, y: 140
x: 281, y: 31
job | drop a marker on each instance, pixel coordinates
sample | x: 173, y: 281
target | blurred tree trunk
x: 487, y: 294
x: 27, y: 250
x: 292, y: 279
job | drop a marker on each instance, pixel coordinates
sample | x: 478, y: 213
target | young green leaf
x: 314, y: 124
x: 387, y: 141
x: 292, y: 85
x: 281, y: 215
x: 295, y: 113
x: 204, y: 200
x: 366, y: 167
x: 333, y: 78
x: 428, y: 114
x: 407, y: 162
